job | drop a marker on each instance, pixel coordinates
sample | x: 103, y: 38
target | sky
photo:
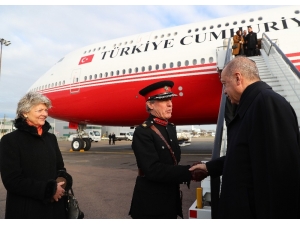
x: 40, y: 35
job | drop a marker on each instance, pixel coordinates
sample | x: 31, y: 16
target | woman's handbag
x: 234, y: 46
x: 73, y: 210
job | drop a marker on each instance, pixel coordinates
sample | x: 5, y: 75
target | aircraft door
x: 75, y: 81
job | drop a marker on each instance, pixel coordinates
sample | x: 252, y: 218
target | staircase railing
x: 215, y: 182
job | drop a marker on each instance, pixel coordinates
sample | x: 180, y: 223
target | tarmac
x: 104, y: 177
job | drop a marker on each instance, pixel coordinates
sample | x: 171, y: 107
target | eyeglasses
x: 41, y: 110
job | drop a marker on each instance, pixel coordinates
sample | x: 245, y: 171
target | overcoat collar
x: 249, y: 95
x: 21, y: 124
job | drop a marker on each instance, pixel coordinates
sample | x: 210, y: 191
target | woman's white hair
x: 29, y: 100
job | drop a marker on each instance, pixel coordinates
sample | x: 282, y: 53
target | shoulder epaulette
x: 172, y: 124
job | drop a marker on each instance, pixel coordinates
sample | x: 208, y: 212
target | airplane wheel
x: 87, y: 144
x: 77, y: 144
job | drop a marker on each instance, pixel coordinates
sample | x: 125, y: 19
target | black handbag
x: 73, y: 210
x: 234, y: 46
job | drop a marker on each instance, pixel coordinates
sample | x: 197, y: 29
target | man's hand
x: 199, y: 174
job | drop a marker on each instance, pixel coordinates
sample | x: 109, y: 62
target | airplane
x: 99, y: 83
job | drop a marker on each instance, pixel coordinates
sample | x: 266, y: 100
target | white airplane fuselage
x: 99, y: 83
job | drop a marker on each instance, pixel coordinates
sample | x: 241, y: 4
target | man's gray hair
x: 29, y: 100
x: 245, y: 66
x: 147, y: 108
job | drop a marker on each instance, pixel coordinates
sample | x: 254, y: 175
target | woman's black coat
x: 156, y: 194
x: 261, y: 169
x: 29, y: 164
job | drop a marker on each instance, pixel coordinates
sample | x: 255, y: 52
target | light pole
x: 6, y: 43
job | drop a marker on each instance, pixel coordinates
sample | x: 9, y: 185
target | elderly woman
x: 30, y: 161
x: 157, y: 192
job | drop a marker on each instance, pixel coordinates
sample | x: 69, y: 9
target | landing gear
x: 82, y: 141
x: 77, y: 144
x: 87, y: 144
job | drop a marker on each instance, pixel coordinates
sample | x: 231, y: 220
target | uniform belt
x: 141, y: 173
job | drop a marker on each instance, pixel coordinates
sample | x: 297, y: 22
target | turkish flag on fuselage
x: 86, y: 59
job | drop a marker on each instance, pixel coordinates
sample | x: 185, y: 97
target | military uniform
x: 157, y: 189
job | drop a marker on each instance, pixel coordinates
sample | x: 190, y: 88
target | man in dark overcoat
x: 157, y: 189
x: 251, y: 40
x: 261, y: 169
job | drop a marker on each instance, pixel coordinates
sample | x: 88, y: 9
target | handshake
x: 199, y: 171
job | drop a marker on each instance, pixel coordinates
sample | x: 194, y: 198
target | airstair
x: 278, y: 72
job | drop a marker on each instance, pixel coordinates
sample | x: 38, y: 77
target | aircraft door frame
x: 75, y: 81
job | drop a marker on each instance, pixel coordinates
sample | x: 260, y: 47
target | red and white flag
x: 86, y: 59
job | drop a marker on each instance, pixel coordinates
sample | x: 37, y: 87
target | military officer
x: 157, y: 192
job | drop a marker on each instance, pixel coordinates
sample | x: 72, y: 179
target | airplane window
x: 186, y: 62
x: 211, y: 27
x: 94, y: 50
x: 189, y: 31
x: 118, y: 72
x: 55, y: 84
x: 43, y: 87
x: 157, y: 67
x: 59, y: 83
x: 149, y: 68
x: 131, y: 42
x: 124, y: 71
x: 234, y: 23
x: 48, y: 85
x: 95, y: 76
x: 171, y: 65
x: 99, y: 48
x: 130, y: 70
x: 251, y: 20
x: 204, y: 28
x: 125, y: 42
x: 297, y: 12
x: 194, y: 61
x: 243, y: 21
x: 104, y: 47
x: 260, y: 18
x: 84, y: 52
x: 89, y: 51
x: 211, y: 59
x: 169, y: 34
x: 114, y: 45
x: 175, y: 33
x: 63, y: 82
x: 100, y: 75
x: 155, y: 37
x: 178, y: 64
x: 226, y: 24
x: 120, y: 44
x: 164, y: 66
x: 91, y: 77
x: 162, y: 36
x: 106, y: 74
x: 219, y: 25
x: 52, y: 85
x: 202, y: 61
x: 136, y: 69
x: 196, y: 29
x: 76, y: 79
x: 85, y: 78
x: 143, y: 68
x: 111, y: 73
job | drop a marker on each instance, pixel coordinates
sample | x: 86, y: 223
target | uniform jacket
x: 261, y: 169
x: 251, y: 39
x: 157, y: 193
x: 29, y: 165
x: 236, y: 41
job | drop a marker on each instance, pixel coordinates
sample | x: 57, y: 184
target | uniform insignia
x: 166, y: 88
x: 146, y: 124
